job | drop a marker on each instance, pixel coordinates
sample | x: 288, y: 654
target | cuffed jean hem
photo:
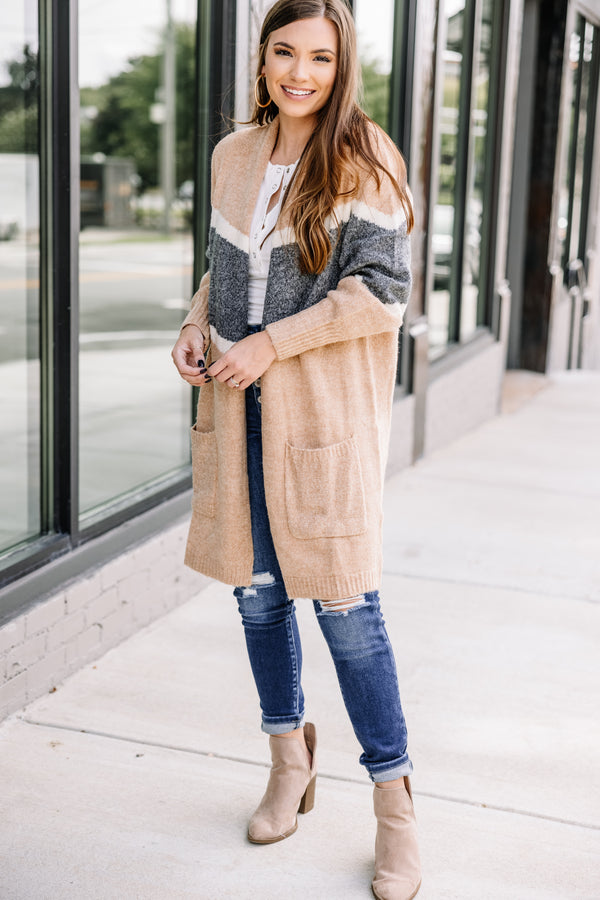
x: 280, y: 726
x: 385, y: 773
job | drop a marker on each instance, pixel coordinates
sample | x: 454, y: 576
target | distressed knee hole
x: 262, y: 579
x: 342, y: 606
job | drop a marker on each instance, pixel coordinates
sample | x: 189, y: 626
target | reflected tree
x: 376, y: 92
x: 19, y: 104
x: 121, y: 124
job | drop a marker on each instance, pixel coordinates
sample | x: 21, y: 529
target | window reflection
x: 574, y: 75
x: 137, y: 65
x: 576, y: 249
x: 375, y: 29
x: 472, y: 286
x: 571, y: 231
x: 442, y: 238
x: 19, y: 275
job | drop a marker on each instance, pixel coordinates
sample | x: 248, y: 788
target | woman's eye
x: 281, y: 52
x: 323, y: 58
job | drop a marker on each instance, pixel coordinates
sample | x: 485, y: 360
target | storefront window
x: 19, y: 275
x: 137, y: 167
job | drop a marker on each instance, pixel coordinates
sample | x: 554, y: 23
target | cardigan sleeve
x: 198, y: 314
x: 374, y: 276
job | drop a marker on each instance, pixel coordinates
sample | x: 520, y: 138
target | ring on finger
x: 233, y: 382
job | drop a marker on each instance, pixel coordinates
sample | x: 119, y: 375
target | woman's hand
x: 188, y: 356
x: 245, y: 361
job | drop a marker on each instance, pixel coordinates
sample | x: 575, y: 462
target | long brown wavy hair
x: 341, y: 146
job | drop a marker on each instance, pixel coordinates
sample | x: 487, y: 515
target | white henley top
x: 261, y: 236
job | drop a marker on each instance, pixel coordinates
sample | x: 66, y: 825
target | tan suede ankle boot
x: 291, y: 788
x: 397, y: 866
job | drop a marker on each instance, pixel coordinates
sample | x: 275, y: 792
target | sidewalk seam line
x: 492, y: 587
x: 330, y: 777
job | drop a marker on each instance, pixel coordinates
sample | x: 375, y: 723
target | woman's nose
x: 299, y: 69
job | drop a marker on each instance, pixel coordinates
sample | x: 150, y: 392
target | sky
x: 375, y: 25
x: 111, y: 31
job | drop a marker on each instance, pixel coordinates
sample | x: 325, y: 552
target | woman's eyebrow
x: 291, y: 47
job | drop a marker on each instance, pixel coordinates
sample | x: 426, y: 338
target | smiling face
x: 301, y: 65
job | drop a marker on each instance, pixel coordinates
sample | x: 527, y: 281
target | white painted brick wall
x: 12, y: 634
x: 87, y: 617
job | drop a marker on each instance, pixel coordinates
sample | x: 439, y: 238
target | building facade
x: 108, y: 116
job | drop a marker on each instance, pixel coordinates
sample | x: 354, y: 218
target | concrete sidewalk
x: 135, y: 779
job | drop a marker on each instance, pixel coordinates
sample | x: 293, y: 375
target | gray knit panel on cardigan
x: 379, y: 256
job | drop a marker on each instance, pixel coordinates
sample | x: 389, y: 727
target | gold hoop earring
x: 258, y: 103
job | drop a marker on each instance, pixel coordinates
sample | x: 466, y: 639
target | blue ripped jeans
x: 357, y: 640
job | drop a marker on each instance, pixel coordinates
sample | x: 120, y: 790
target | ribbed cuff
x: 200, y: 321
x: 289, y: 342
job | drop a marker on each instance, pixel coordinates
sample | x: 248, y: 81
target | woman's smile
x: 296, y: 92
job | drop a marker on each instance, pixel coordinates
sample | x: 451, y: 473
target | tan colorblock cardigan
x: 326, y: 399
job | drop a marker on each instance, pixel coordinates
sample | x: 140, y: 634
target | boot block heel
x: 308, y: 798
x: 291, y: 788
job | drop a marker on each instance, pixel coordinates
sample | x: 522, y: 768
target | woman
x: 292, y: 337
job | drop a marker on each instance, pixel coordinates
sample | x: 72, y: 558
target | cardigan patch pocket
x: 204, y: 472
x: 324, y: 491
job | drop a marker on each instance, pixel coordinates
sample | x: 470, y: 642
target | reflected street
x: 130, y: 287
x: 135, y: 289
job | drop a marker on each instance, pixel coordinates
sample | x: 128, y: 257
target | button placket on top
x: 280, y: 177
